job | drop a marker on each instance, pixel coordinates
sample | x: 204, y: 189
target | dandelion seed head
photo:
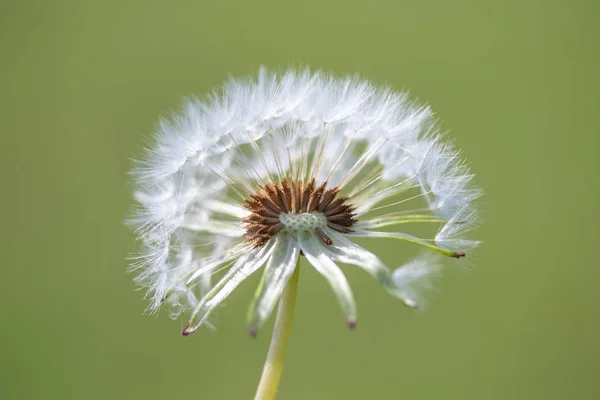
x: 283, y: 166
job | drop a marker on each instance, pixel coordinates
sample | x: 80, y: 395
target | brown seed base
x: 296, y: 198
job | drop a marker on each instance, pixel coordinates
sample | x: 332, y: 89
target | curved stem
x: 269, y: 381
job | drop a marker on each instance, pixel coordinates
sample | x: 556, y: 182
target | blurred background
x: 515, y: 82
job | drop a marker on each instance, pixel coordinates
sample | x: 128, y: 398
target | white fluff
x: 417, y: 276
x: 379, y: 147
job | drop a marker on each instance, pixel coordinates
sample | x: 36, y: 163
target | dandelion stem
x: 269, y: 381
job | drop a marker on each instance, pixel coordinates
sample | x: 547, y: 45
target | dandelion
x: 278, y: 168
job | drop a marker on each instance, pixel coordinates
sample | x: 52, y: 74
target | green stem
x: 269, y: 381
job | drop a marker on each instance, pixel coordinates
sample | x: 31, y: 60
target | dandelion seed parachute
x: 283, y: 166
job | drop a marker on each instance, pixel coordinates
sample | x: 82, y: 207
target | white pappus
x: 281, y: 167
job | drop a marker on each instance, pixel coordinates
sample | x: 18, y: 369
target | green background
x: 516, y: 83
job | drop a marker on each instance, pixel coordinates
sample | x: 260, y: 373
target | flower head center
x: 303, y: 222
x: 297, y: 207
